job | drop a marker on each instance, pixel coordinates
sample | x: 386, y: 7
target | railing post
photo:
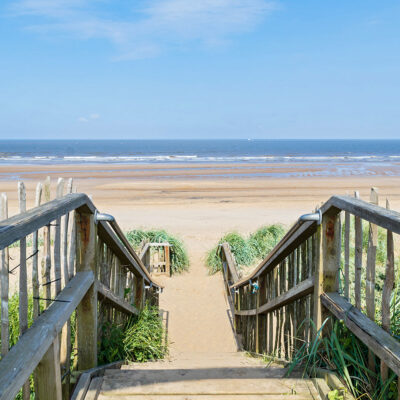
x: 327, y: 262
x: 86, y: 312
x: 139, y: 292
x: 48, y: 374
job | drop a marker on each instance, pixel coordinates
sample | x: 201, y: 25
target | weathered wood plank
x: 108, y: 296
x: 297, y: 292
x: 230, y: 261
x: 358, y: 257
x: 23, y: 282
x: 21, y: 225
x: 57, y: 240
x: 22, y: 359
x: 347, y: 255
x: 377, y: 215
x: 370, y: 273
x: 35, y: 258
x: 124, y: 251
x: 86, y: 313
x: 387, y: 290
x: 48, y: 375
x: 4, y: 282
x: 84, y: 380
x: 374, y: 337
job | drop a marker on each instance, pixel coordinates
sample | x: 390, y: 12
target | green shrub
x: 265, y: 239
x: 144, y: 337
x: 111, y: 346
x: 246, y: 251
x: 342, y: 352
x: 179, y: 257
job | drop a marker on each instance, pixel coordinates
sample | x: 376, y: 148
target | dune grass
x: 246, y: 251
x: 179, y: 257
x: 140, y: 339
x: 340, y: 351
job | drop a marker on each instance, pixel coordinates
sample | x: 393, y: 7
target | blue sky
x: 105, y: 69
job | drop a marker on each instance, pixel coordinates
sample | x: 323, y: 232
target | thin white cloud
x: 88, y: 118
x: 147, y: 30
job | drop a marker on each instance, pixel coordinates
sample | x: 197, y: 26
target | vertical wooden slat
x: 370, y: 274
x: 23, y: 282
x: 358, y: 257
x: 65, y: 345
x: 327, y: 261
x: 72, y: 240
x: 347, y: 255
x: 48, y: 374
x: 387, y: 290
x: 167, y: 261
x: 284, y: 318
x: 64, y: 239
x: 57, y: 240
x: 46, y: 261
x: 4, y: 281
x: 86, y: 313
x: 35, y: 259
x: 139, y: 292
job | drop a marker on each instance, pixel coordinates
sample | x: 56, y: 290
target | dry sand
x: 200, y: 211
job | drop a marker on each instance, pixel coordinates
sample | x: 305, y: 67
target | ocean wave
x: 157, y: 158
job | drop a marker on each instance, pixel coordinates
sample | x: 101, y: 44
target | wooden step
x: 208, y: 397
x: 198, y: 383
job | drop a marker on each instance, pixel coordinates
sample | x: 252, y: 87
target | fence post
x: 48, y: 374
x: 86, y: 312
x: 327, y: 262
x: 139, y: 292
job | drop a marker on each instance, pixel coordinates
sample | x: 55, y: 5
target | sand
x: 199, y: 210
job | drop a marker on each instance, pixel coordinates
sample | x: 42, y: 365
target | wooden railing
x: 307, y: 276
x: 102, y: 280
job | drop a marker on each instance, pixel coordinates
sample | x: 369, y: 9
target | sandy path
x: 197, y: 310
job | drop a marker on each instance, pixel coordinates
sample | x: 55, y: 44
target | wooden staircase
x: 201, y: 376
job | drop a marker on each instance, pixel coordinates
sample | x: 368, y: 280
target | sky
x: 173, y: 69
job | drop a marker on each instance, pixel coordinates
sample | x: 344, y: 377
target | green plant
x: 144, y: 337
x: 340, y: 351
x: 111, y: 346
x: 179, y: 257
x: 265, y: 239
x: 246, y: 251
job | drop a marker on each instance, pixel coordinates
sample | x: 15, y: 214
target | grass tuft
x: 340, y: 351
x: 144, y: 338
x: 246, y: 251
x: 138, y: 340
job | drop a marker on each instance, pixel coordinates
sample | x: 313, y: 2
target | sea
x: 197, y: 151
x: 323, y: 157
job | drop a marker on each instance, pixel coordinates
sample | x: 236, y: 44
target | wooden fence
x: 89, y: 275
x: 321, y: 269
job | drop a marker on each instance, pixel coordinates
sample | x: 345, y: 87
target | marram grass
x: 340, y: 351
x: 179, y: 257
x: 246, y: 250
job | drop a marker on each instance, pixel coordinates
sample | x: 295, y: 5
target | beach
x: 199, y: 209
x: 197, y: 200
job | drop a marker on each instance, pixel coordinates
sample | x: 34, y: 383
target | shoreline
x: 200, y: 171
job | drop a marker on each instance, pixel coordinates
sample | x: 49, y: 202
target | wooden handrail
x: 298, y: 282
x: 380, y: 216
x: 380, y: 342
x: 102, y: 274
x: 19, y: 226
x: 17, y: 365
